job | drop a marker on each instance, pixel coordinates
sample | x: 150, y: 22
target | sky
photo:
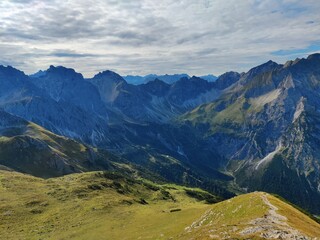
x: 139, y: 37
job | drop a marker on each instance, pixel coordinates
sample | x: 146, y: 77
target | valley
x: 175, y: 150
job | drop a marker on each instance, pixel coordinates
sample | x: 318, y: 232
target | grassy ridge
x: 31, y: 149
x: 248, y: 217
x: 94, y: 206
x: 109, y: 205
x: 297, y: 218
x: 317, y: 219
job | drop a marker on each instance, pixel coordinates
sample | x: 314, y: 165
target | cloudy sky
x: 149, y: 36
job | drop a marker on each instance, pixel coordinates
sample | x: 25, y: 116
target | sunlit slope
x: 106, y: 205
x: 29, y: 148
x: 95, y: 205
x: 256, y: 215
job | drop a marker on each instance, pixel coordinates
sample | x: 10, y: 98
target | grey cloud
x: 13, y: 33
x: 197, y: 37
x: 22, y: 1
x: 133, y: 38
x: 72, y: 54
x: 193, y: 37
x: 206, y: 51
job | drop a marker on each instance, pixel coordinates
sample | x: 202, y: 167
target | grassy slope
x: 101, y: 205
x: 93, y: 206
x: 24, y: 149
x: 233, y: 109
x: 224, y: 216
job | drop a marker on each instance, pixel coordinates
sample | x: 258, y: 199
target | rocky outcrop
x: 272, y: 111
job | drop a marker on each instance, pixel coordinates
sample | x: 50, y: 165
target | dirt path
x: 273, y: 225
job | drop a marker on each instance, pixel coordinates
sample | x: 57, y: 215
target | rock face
x: 266, y: 125
x: 59, y: 100
x: 65, y: 85
x: 29, y: 148
x: 155, y: 101
x: 227, y: 79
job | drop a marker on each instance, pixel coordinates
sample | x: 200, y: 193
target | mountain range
x: 167, y: 78
x: 242, y: 132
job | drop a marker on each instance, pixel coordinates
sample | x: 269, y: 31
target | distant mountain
x: 209, y: 77
x: 135, y: 80
x: 40, y: 73
x: 167, y: 78
x: 170, y: 79
x: 156, y: 100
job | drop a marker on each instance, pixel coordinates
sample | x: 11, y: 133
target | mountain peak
x: 10, y: 73
x: 196, y: 78
x: 209, y: 77
x: 227, y: 79
x: 109, y: 75
x: 315, y: 56
x: 158, y: 82
x: 311, y: 63
x: 156, y: 87
x: 267, y: 65
x: 270, y: 62
x: 9, y: 68
x: 40, y: 73
x: 60, y: 73
x: 60, y: 68
x: 290, y: 62
x: 167, y: 78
